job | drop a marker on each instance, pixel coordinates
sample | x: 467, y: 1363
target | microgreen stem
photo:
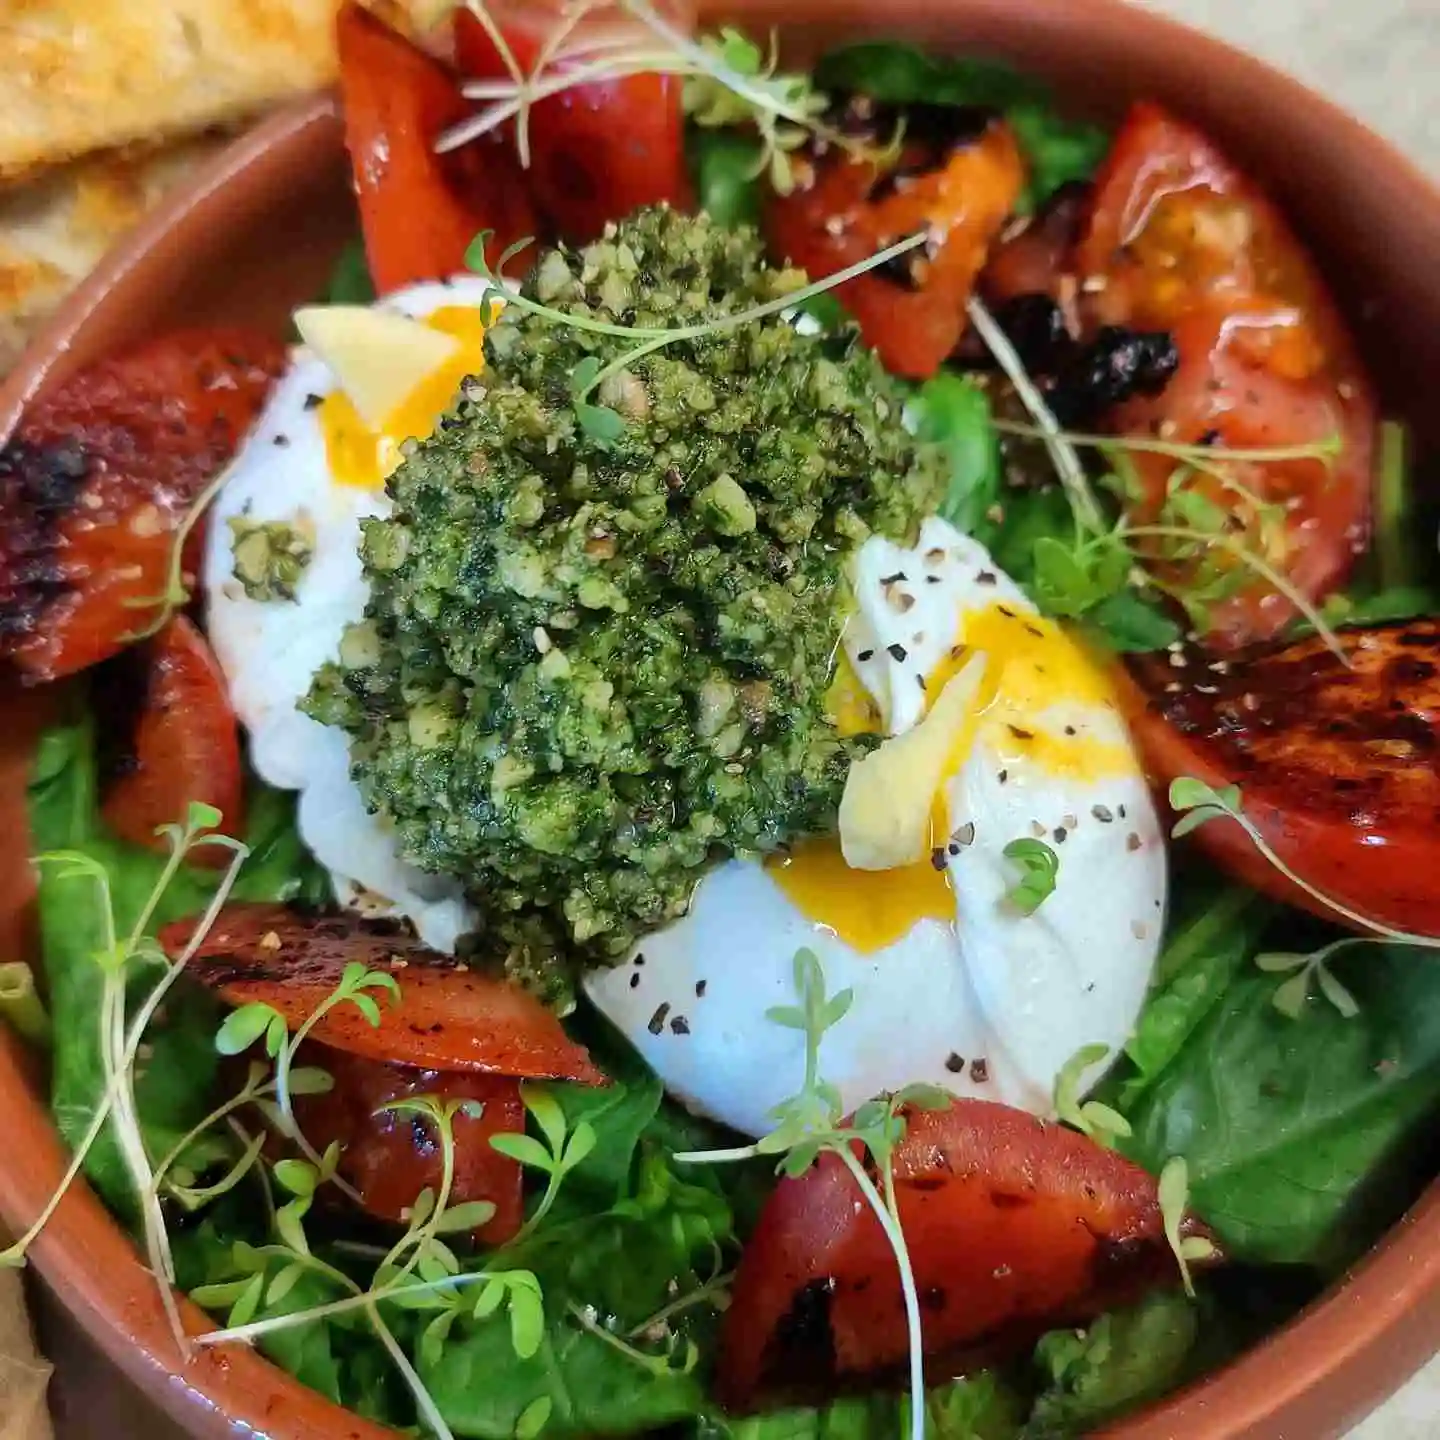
x: 1262, y: 568
x: 20, y: 1005
x: 424, y: 1402
x: 711, y: 1289
x: 360, y: 1300
x: 885, y: 1213
x: 1068, y: 468
x: 249, y: 1092
x: 747, y: 317
x: 1144, y: 444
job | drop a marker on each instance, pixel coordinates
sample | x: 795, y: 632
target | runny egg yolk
x: 363, y: 457
x: 1032, y: 665
x: 867, y: 909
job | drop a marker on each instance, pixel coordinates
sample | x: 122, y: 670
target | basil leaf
x: 953, y: 412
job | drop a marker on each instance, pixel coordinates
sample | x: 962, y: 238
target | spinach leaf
x: 350, y: 282
x: 726, y: 166
x: 1303, y: 1137
x: 482, y: 1388
x: 1058, y: 150
x: 952, y: 411
x: 1125, y: 1359
x: 979, y: 1407
x: 1212, y: 933
x: 171, y: 1088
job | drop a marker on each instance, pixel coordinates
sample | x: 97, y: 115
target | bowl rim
x: 1372, y: 1328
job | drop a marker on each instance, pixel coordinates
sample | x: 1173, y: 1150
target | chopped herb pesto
x: 588, y: 670
x: 271, y: 555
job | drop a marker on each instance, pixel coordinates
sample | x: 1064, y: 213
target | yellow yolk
x: 1032, y: 665
x: 868, y: 909
x: 363, y: 457
x: 1035, y: 665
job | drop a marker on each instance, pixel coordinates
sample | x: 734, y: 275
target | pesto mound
x: 588, y: 670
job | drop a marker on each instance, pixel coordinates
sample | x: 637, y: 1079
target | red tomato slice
x: 844, y: 209
x: 1013, y: 1226
x: 1335, y: 764
x: 98, y: 477
x: 419, y: 210
x: 1178, y: 239
x: 185, y: 746
x: 447, y: 1017
x: 598, y: 151
x: 389, y: 1159
x: 1035, y: 260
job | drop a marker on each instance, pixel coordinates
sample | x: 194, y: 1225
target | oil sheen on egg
x: 312, y: 460
x: 952, y: 984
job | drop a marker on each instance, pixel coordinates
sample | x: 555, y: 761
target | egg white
x: 992, y: 1005
x: 271, y: 650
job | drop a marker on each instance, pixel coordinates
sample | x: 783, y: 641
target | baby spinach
x: 979, y: 1407
x: 726, y: 167
x: 350, y: 282
x: 1302, y: 1136
x: 1058, y: 151
x: 1213, y: 931
x: 952, y: 411
x: 1125, y: 1359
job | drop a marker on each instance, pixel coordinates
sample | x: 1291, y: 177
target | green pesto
x: 270, y: 555
x: 587, y: 671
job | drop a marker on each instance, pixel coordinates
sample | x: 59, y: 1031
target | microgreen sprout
x: 561, y: 1150
x: 728, y: 81
x: 1039, y: 866
x: 811, y: 1124
x: 606, y: 425
x: 1292, y: 995
x: 419, y: 1273
x: 679, y: 1357
x: 1174, y: 1192
x: 248, y: 1023
x: 1089, y: 1117
x: 120, y: 959
x: 1069, y: 470
x: 1198, y: 803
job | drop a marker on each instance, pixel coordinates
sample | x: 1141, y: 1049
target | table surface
x: 1377, y: 58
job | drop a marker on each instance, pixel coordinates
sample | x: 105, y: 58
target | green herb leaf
x: 524, y: 1148
x: 243, y: 1027
x: 953, y: 412
x: 1039, y: 866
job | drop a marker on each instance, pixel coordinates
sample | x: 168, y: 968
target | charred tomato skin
x: 447, y: 1017
x: 390, y: 1158
x: 959, y: 191
x: 99, y: 476
x: 184, y: 745
x: 1336, y: 761
x: 1012, y: 1225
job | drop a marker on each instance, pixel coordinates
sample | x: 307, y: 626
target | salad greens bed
x: 1295, y: 1091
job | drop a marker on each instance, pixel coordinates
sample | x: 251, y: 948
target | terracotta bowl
x: 256, y: 234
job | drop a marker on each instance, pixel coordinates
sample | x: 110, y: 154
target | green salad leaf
x: 1302, y: 1136
x: 1124, y: 1360
x: 350, y: 282
x: 1058, y: 150
x: 951, y: 410
x: 171, y: 1088
x: 979, y: 1407
x: 726, y: 167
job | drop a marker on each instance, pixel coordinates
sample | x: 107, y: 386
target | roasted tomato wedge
x: 598, y: 151
x: 1012, y: 1225
x: 419, y: 210
x: 1335, y: 764
x: 390, y: 1158
x: 184, y: 745
x: 98, y: 477
x: 1036, y: 259
x: 447, y: 1017
x: 1177, y: 239
x: 957, y: 177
